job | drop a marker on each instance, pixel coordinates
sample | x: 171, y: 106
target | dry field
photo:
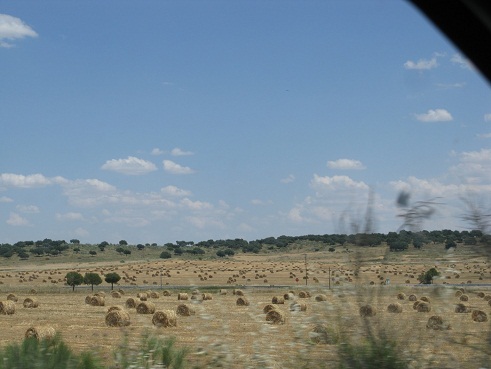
x: 221, y: 332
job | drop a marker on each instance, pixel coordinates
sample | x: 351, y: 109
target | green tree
x: 93, y: 252
x: 92, y: 279
x: 221, y: 253
x: 123, y: 243
x: 119, y: 250
x: 165, y: 255
x: 74, y: 279
x: 427, y: 277
x: 127, y: 252
x: 112, y: 278
x: 140, y: 246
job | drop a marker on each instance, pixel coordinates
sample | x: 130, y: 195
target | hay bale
x: 30, y: 303
x: 131, y: 303
x: 320, y: 297
x: 464, y: 297
x: 461, y: 308
x: 101, y: 294
x: 164, y: 318
x: 87, y: 299
x: 479, y: 316
x: 289, y: 296
x: 121, y: 292
x: 481, y: 294
x: 114, y: 308
x: 145, y: 307
x: 394, y: 308
x: 436, y: 323
x: 458, y: 293
x: 423, y: 307
x: 401, y: 296
x: 223, y: 292
x: 416, y: 303
x: 184, y: 310
x: 298, y: 306
x: 166, y: 293
x: 116, y: 295
x: 242, y: 301
x: 97, y: 300
x: 367, y: 311
x: 7, y: 307
x: 425, y: 299
x: 117, y: 318
x: 12, y: 297
x: 487, y: 297
x: 278, y: 300
x: 275, y: 316
x: 268, y: 308
x: 40, y: 333
x: 304, y: 294
x: 207, y: 296
x: 322, y: 334
x: 154, y: 295
x: 239, y: 292
x: 412, y: 297
x: 182, y: 296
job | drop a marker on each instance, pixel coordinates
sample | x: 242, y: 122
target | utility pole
x: 306, y: 274
x: 329, y: 277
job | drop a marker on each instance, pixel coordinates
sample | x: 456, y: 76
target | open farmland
x: 220, y: 331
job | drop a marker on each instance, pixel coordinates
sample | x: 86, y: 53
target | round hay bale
x: 298, y: 306
x: 30, y: 303
x: 12, y: 297
x: 145, y: 307
x: 412, y: 297
x: 121, y: 292
x: 114, y: 308
x: 164, y: 318
x: 289, y: 296
x: 416, y: 303
x: 97, y: 300
x: 154, y: 295
x: 367, y: 311
x: 182, y: 296
x: 268, y: 308
x: 195, y: 292
x: 425, y: 299
x: 322, y: 334
x: 207, y: 296
x: 487, y: 297
x: 423, y: 307
x: 458, y: 293
x: 239, y: 292
x: 304, y: 294
x: 184, y: 310
x: 481, y: 294
x: 7, y: 307
x: 394, y: 308
x: 116, y: 295
x: 101, y: 294
x: 40, y: 333
x: 479, y: 316
x: 87, y: 299
x: 131, y: 303
x: 275, y: 316
x: 166, y: 293
x: 401, y: 296
x: 33, y: 291
x: 117, y: 318
x: 278, y: 300
x: 196, y: 298
x: 242, y: 301
x: 464, y: 297
x: 436, y: 323
x: 320, y: 297
x: 461, y: 308
x: 223, y: 292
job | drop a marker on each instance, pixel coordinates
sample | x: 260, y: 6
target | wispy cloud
x: 12, y: 28
x: 484, y: 135
x: 436, y: 115
x: 345, y: 164
x: 5, y: 199
x: 178, y: 152
x: 288, y: 179
x: 175, y: 191
x: 22, y: 181
x: 27, y: 209
x: 71, y: 216
x: 130, y: 166
x: 487, y: 117
x: 16, y: 220
x: 261, y: 202
x: 157, y: 151
x: 462, y: 62
x: 174, y: 168
x: 421, y: 64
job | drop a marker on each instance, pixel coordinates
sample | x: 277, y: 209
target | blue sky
x: 159, y: 121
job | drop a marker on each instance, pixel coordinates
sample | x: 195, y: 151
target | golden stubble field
x: 220, y: 332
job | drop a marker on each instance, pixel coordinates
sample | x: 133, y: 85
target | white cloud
x: 5, y: 199
x: 174, y: 168
x: 130, y: 166
x: 261, y: 202
x: 178, y: 152
x: 71, y: 216
x: 16, y: 220
x: 27, y: 209
x: 21, y: 181
x: 487, y: 117
x: 484, y: 155
x: 288, y: 179
x: 436, y: 115
x: 345, y: 164
x: 421, y: 64
x: 175, y: 191
x: 484, y: 135
x: 461, y: 61
x: 157, y: 151
x: 336, y: 183
x: 451, y: 85
x: 196, y: 205
x: 205, y: 222
x: 12, y: 28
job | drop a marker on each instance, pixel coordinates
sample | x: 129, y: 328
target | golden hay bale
x: 87, y: 299
x: 298, y: 306
x: 458, y: 293
x: 394, y: 308
x: 412, y: 297
x: 242, y: 301
x: 131, y: 303
x: 145, y: 307
x: 116, y: 295
x: 223, y: 292
x: 423, y: 307
x: 12, y: 297
x: 481, y: 294
x: 425, y: 299
x: 304, y: 294
x: 30, y: 303
x: 487, y: 297
x: 207, y: 296
x: 239, y: 292
x: 121, y: 292
x: 289, y: 296
x: 114, y: 308
x: 164, y: 318
x: 367, y: 311
x: 117, y: 318
x: 182, y: 296
x: 461, y: 308
x: 268, y: 308
x: 7, y: 307
x: 101, y: 294
x: 40, y: 333
x: 322, y: 334
x: 97, y: 300
x: 154, y: 295
x: 321, y: 297
x: 401, y: 296
x: 436, y: 323
x: 166, y: 293
x: 416, y: 303
x: 184, y: 310
x: 275, y: 316
x: 464, y: 297
x: 278, y: 300
x: 479, y: 316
